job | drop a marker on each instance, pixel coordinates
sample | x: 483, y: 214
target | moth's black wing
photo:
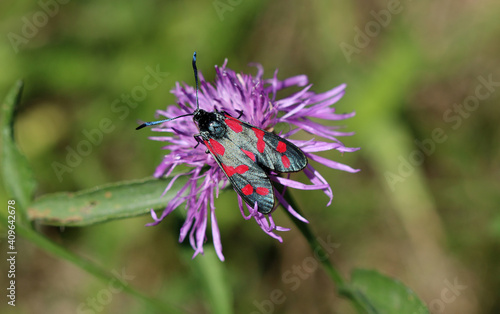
x: 245, y: 153
x: 249, y: 180
x: 271, y: 151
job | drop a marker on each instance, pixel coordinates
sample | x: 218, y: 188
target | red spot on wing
x: 228, y: 170
x: 241, y: 169
x: 262, y: 191
x: 260, y: 139
x: 217, y: 147
x: 247, y: 190
x: 285, y: 161
x: 281, y: 147
x: 234, y: 124
x: 249, y: 154
x: 207, y: 144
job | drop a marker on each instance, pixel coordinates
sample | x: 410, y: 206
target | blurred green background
x: 424, y: 208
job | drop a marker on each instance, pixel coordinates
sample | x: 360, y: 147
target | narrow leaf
x: 17, y: 175
x: 385, y: 295
x: 104, y: 203
x: 211, y: 274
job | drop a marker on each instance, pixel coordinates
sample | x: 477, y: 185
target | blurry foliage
x: 442, y: 222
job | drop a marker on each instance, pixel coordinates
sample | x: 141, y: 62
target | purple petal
x: 242, y: 210
x: 331, y: 163
x: 278, y: 228
x: 298, y: 185
x: 313, y: 146
x: 265, y: 226
x: 326, y: 95
x: 289, y: 208
x: 216, y: 235
x: 316, y: 178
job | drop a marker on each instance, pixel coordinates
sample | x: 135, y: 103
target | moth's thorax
x: 210, y: 124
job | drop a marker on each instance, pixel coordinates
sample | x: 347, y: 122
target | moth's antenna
x: 196, y: 79
x: 160, y: 121
x: 184, y: 115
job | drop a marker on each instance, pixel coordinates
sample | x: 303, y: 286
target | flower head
x: 256, y: 98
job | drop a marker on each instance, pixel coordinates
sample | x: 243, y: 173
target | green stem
x: 343, y: 288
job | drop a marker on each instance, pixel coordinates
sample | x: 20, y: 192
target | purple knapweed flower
x: 256, y: 98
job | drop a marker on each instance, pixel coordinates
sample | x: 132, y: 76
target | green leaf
x: 211, y: 274
x: 384, y: 295
x: 104, y: 203
x: 17, y: 175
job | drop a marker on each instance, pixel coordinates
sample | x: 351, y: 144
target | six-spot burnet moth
x: 245, y: 153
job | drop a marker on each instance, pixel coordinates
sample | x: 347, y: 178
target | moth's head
x: 199, y: 115
x: 210, y: 122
